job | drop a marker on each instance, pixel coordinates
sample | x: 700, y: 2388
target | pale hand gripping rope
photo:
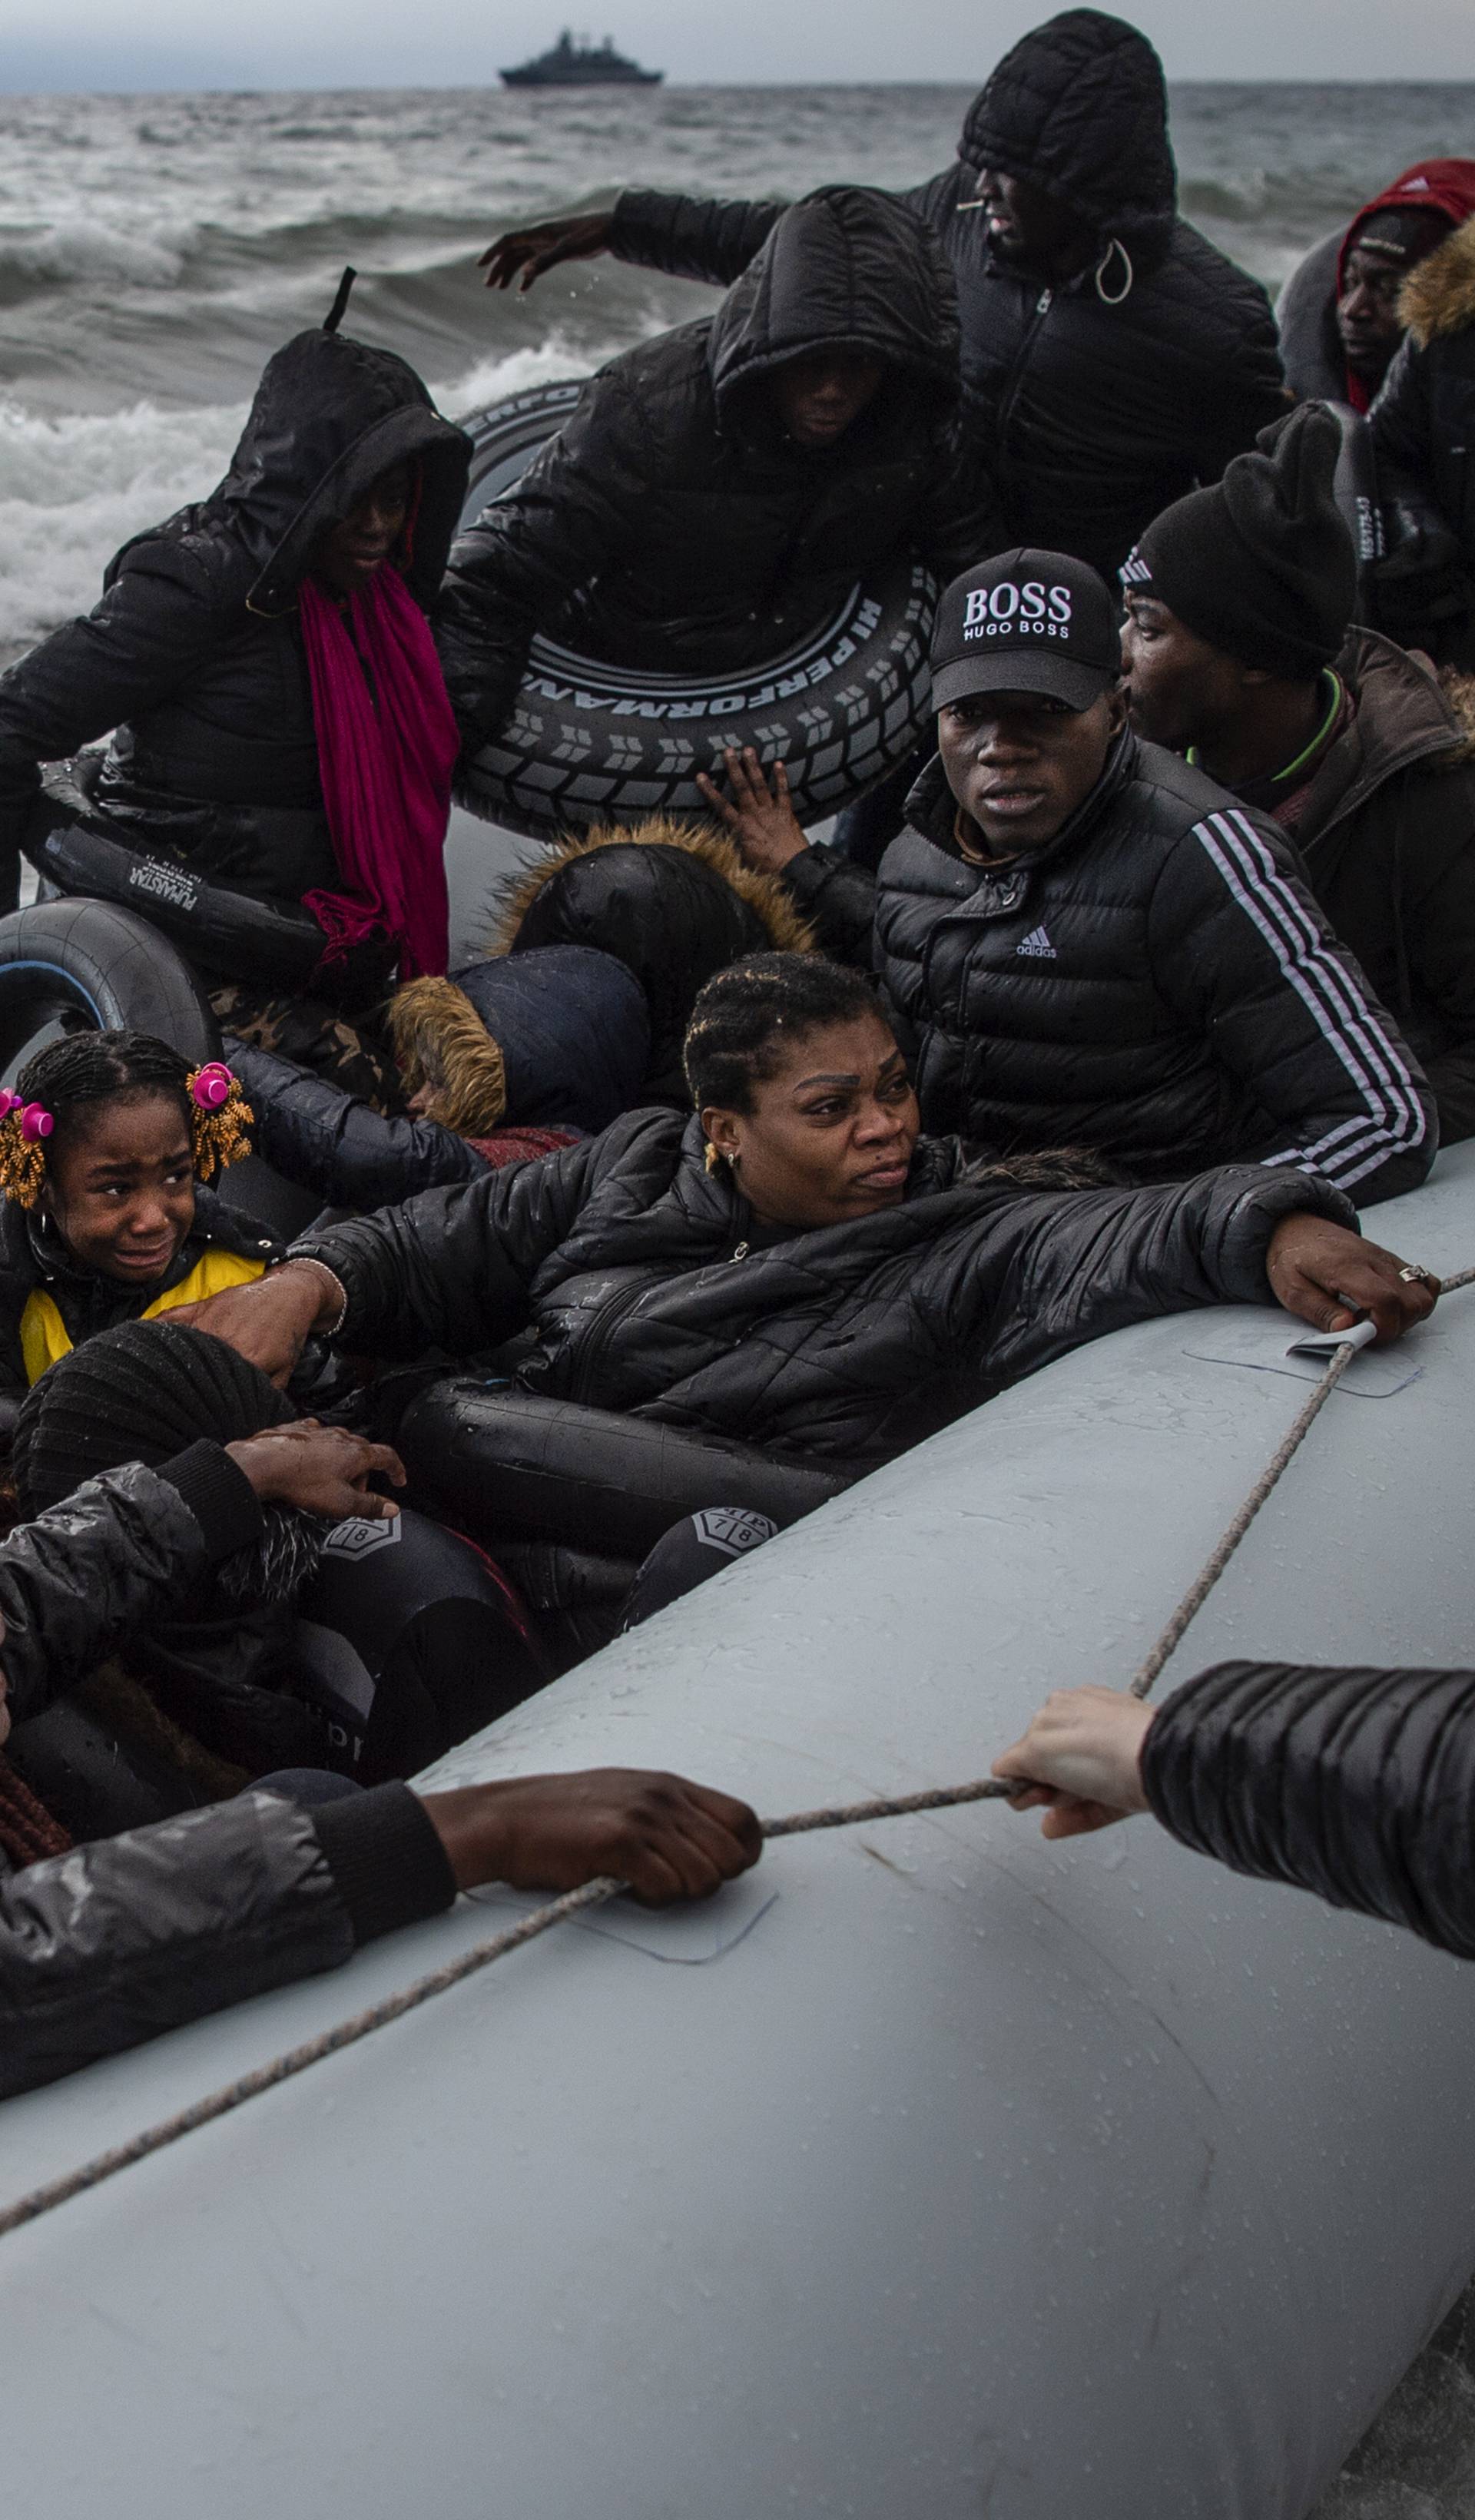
x: 594, y: 1894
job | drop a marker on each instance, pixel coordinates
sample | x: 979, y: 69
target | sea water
x: 154, y: 249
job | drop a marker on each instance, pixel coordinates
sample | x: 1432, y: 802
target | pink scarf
x: 386, y: 745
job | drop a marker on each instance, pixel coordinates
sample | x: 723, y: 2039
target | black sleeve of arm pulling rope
x: 387, y: 1863
x: 1358, y: 1784
x: 117, y: 1941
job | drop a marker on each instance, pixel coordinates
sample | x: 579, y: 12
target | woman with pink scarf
x: 275, y: 785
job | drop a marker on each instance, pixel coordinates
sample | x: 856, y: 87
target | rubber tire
x: 590, y: 742
x: 88, y: 965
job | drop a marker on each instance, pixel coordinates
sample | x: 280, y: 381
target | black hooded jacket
x: 674, y: 524
x: 1157, y: 982
x: 194, y: 653
x: 1098, y: 401
x: 638, y: 1282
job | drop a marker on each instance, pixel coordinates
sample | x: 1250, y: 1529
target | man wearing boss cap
x: 1096, y: 945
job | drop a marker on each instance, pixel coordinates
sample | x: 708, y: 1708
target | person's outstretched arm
x: 1063, y: 1267
x: 692, y: 240
x: 1358, y: 1784
x: 448, y: 1269
x: 110, y: 1945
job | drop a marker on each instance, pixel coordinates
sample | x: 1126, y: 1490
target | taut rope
x: 592, y: 1894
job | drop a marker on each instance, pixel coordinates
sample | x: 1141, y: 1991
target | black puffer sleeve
x: 161, y: 614
x: 689, y: 239
x: 576, y: 510
x: 87, y: 1572
x: 133, y: 1935
x: 1068, y: 1266
x: 344, y: 1150
x: 1356, y: 1785
x: 838, y: 897
x: 452, y: 1268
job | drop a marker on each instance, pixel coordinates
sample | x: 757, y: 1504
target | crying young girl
x: 106, y: 1147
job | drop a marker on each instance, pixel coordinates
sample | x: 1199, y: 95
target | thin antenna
x: 339, y: 307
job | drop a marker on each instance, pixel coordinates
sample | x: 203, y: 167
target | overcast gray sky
x: 343, y: 43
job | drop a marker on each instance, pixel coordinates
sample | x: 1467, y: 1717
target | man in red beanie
x: 1338, y: 312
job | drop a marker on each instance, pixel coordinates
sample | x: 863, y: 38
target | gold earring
x: 711, y: 1158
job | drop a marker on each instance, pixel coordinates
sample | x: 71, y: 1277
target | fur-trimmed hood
x: 670, y: 900
x: 1438, y: 297
x: 766, y: 896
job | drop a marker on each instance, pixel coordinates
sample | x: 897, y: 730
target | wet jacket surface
x: 1157, y: 982
x: 645, y: 1286
x: 673, y: 522
x: 194, y: 653
x: 1387, y: 835
x: 1093, y: 416
x: 123, y: 1938
x: 1356, y: 1784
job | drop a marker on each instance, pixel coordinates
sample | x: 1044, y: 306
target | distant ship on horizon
x: 581, y: 64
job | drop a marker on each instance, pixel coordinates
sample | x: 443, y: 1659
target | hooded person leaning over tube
x: 716, y: 488
x: 1088, y: 941
x: 1111, y: 357
x: 283, y: 735
x: 1241, y: 654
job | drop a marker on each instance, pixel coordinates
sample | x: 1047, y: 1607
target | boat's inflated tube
x: 595, y: 743
x: 932, y: 2170
x: 513, y: 1466
x: 222, y: 931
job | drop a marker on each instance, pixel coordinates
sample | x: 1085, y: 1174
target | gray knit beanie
x: 1260, y: 564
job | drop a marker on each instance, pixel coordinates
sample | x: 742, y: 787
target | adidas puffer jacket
x: 1157, y: 983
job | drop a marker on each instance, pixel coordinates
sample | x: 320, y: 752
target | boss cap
x: 1027, y: 621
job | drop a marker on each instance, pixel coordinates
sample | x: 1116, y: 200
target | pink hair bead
x: 35, y: 1124
x: 9, y: 1102
x: 211, y: 1085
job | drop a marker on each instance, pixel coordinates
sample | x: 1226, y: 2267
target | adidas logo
x: 1037, y: 942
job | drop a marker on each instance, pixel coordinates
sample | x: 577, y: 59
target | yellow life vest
x: 43, y: 1333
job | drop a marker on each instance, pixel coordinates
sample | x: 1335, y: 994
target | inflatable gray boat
x: 932, y: 2171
